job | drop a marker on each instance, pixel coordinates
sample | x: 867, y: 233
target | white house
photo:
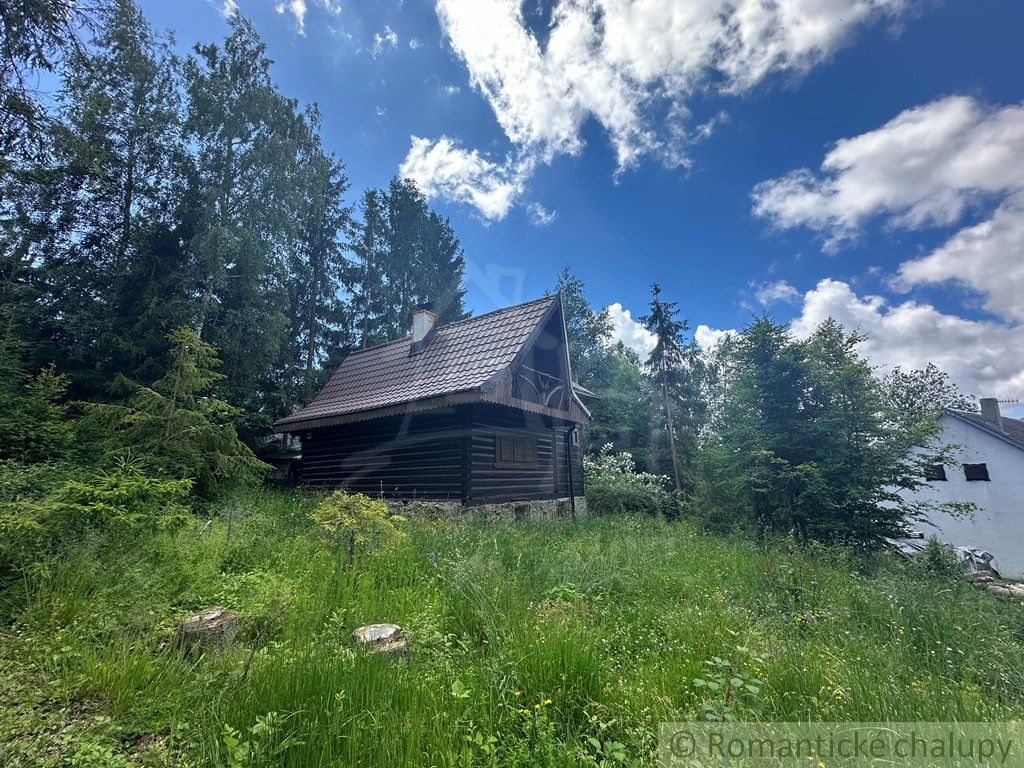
x: 989, y: 471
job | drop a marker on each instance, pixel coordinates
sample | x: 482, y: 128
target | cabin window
x: 935, y: 472
x: 976, y: 471
x: 575, y: 439
x: 515, y: 451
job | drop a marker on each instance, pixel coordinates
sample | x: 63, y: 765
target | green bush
x: 615, y: 487
x: 34, y: 423
x: 939, y: 560
x: 121, y: 501
x: 357, y: 522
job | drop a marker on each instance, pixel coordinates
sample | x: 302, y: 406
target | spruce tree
x: 365, y: 277
x: 589, y: 331
x: 107, y: 186
x: 406, y: 255
x: 248, y: 178
x: 668, y: 363
x: 35, y: 36
x: 177, y: 427
x: 441, y: 270
x: 320, y: 323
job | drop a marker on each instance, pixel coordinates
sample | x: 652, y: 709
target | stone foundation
x: 507, y: 511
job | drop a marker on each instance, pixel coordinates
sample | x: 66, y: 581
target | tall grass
x: 609, y: 620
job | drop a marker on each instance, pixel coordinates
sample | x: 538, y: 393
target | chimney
x: 423, y: 319
x: 990, y: 412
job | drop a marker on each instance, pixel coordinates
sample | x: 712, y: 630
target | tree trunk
x: 366, y: 304
x: 670, y: 428
x: 311, y: 341
x: 126, y: 206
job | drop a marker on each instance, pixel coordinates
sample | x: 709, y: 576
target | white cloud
x: 630, y: 332
x: 414, y: 43
x: 928, y: 166
x: 226, y: 8
x: 442, y: 168
x: 987, y: 257
x: 620, y: 63
x: 984, y: 358
x: 381, y: 40
x: 299, y: 8
x: 541, y: 216
x: 924, y: 167
x: 768, y: 293
x: 708, y: 338
x: 451, y: 90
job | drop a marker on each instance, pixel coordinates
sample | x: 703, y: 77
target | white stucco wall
x: 998, y: 526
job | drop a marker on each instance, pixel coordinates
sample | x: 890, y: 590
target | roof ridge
x: 547, y: 297
x: 978, y: 414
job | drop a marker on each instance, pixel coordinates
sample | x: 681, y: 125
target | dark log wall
x: 490, y: 483
x: 426, y: 455
x: 416, y: 455
x: 565, y: 451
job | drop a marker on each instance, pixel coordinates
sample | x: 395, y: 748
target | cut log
x: 212, y: 628
x: 387, y: 639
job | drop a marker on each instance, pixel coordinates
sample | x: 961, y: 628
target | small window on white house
x: 976, y: 471
x: 935, y: 472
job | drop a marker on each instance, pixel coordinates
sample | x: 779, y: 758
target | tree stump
x: 212, y: 628
x: 386, y: 639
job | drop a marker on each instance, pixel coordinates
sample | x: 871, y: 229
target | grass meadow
x: 549, y: 643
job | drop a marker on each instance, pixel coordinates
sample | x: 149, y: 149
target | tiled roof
x: 460, y: 357
x: 1013, y: 429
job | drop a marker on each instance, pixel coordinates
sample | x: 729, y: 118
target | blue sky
x: 683, y: 142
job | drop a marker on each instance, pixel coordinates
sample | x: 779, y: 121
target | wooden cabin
x: 480, y: 411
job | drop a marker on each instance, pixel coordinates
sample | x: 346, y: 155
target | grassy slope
x: 611, y: 620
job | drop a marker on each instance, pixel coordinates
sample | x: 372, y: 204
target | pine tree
x: 589, y: 332
x: 107, y: 185
x: 320, y: 318
x: 666, y: 357
x: 365, y: 278
x: 248, y: 140
x: 176, y: 427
